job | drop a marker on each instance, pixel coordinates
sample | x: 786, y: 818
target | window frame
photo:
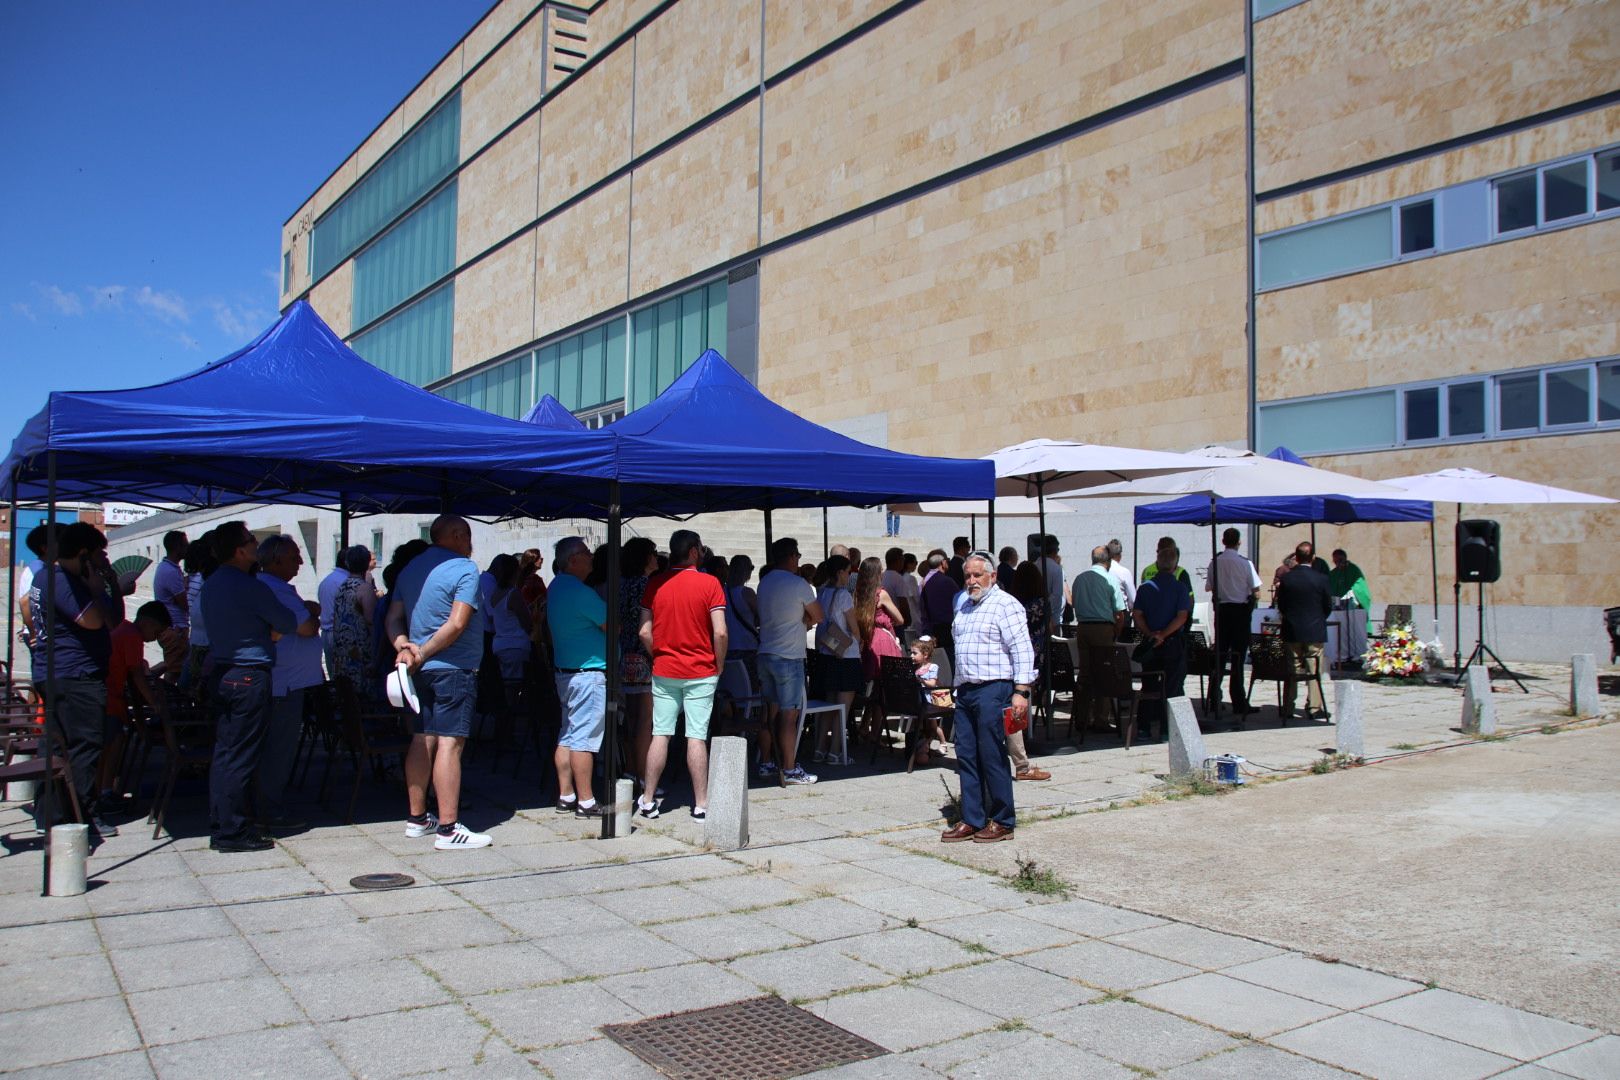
x: 1590, y: 367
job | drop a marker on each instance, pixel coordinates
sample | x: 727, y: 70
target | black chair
x: 1270, y: 660
x: 1109, y: 668
x: 1201, y: 662
x: 906, y: 706
x: 372, y: 735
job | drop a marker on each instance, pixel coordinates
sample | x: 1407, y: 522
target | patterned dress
x: 351, y: 637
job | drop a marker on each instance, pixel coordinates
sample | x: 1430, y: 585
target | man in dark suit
x: 1304, y: 601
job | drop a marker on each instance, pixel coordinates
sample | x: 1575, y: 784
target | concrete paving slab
x: 1091, y: 919
x: 909, y: 951
x: 1042, y: 1059
x: 1253, y: 1061
x: 827, y: 918
x: 407, y: 901
x: 262, y: 884
x: 131, y: 1065
x: 656, y: 904
x: 845, y: 879
x: 594, y: 1060
x: 317, y: 948
x: 678, y: 989
x: 1235, y: 1006
x: 721, y: 937
x: 1531, y: 1072
x: 1595, y: 1060
x: 758, y: 889
x: 549, y: 1015
x: 1007, y: 935
x: 1341, y: 985
x: 153, y: 967
x: 205, y: 862
x: 1388, y: 1051
x: 269, y: 916
x: 815, y: 971
x: 614, y: 952
x: 159, y: 928
x: 363, y: 989
x: 274, y: 1052
x: 123, y: 897
x: 918, y: 902
x: 541, y: 919
x: 902, y: 1017
x: 1497, y: 1028
x: 183, y: 1013
x: 1109, y: 967
x: 1133, y: 1034
x: 921, y: 870
x: 74, y: 937
x: 432, y: 930
x: 945, y: 1056
x: 440, y: 1037
x: 1007, y: 989
x: 888, y: 1067
x: 481, y: 969
x: 1195, y: 946
x: 35, y: 1036
x: 56, y: 980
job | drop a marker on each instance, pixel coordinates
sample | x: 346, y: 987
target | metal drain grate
x: 762, y: 1038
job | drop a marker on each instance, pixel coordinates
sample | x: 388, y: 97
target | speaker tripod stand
x: 1483, y: 653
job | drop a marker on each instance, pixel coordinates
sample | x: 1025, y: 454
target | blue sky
x: 152, y: 152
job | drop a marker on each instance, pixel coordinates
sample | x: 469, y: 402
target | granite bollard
x: 1186, y: 740
x: 1347, y: 714
x: 726, y: 827
x: 1583, y: 685
x: 1478, y: 711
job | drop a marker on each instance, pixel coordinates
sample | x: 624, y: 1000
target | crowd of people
x: 694, y: 638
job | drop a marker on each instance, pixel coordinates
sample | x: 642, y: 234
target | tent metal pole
x: 1044, y: 646
x: 343, y: 525
x: 610, y: 735
x: 826, y: 539
x: 11, y: 609
x: 1136, y: 543
x: 1456, y: 612
x: 1434, y: 574
x: 768, y: 533
x: 973, y: 531
x: 1214, y: 589
x: 44, y: 797
x: 1313, y: 540
x: 990, y: 525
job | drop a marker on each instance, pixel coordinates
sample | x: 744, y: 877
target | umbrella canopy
x: 1049, y: 466
x: 1473, y: 486
x: 1006, y: 506
x: 548, y: 412
x: 1225, y: 473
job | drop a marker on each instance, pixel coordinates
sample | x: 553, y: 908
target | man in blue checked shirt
x: 995, y: 667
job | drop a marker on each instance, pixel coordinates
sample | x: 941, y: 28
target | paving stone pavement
x: 508, y: 961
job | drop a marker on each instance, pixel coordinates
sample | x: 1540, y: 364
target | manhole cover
x: 760, y: 1039
x: 382, y: 881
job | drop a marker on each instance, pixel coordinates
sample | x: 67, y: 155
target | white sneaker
x: 413, y: 830
x: 463, y: 837
x: 797, y: 775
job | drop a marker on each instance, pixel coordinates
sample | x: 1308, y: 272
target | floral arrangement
x: 1396, y: 655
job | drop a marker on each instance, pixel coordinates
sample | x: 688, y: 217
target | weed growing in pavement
x: 911, y: 921
x: 1403, y: 746
x: 1550, y: 729
x: 1188, y: 784
x: 975, y: 946
x: 1333, y: 763
x: 1014, y: 1024
x: 1034, y: 878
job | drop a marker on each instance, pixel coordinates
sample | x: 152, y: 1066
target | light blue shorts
x: 781, y: 681
x: 671, y: 697
x: 584, y: 701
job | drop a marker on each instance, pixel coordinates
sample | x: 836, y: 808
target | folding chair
x: 371, y: 735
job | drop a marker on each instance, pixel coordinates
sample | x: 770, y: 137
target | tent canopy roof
x: 713, y: 442
x: 548, y: 412
x: 1282, y: 510
x: 297, y: 416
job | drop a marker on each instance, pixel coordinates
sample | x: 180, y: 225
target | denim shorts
x: 448, y: 696
x: 694, y: 697
x: 584, y: 704
x: 781, y: 681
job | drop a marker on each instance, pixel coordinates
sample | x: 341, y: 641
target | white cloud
x: 65, y: 302
x: 188, y: 342
x: 238, y: 322
x: 24, y: 310
x: 165, y: 305
x: 108, y: 296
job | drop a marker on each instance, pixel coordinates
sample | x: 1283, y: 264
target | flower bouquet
x: 1396, y: 655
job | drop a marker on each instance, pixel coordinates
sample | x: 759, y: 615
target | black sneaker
x: 567, y: 806
x: 646, y: 810
x: 592, y: 811
x: 103, y: 827
x: 243, y: 843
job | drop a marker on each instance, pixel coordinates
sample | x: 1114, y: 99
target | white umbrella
x: 1006, y: 506
x: 1224, y: 473
x: 1473, y: 486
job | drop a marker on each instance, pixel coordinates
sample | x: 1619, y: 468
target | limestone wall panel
x: 794, y: 30
x: 1573, y: 135
x: 950, y: 81
x: 494, y: 304
x: 495, y: 193
x: 421, y: 101
x: 613, y: 18
x: 500, y: 90
x: 585, y: 130
x: 494, y: 26
x: 580, y: 261
x: 697, y: 204
x: 1538, y: 300
x: 1107, y: 271
x: 690, y: 61
x: 1349, y: 81
x: 333, y: 299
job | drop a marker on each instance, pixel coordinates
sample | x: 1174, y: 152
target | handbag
x: 834, y: 638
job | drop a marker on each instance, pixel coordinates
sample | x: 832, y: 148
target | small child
x: 922, y: 653
x: 922, y: 656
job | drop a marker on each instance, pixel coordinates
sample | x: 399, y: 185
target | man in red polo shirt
x: 683, y: 629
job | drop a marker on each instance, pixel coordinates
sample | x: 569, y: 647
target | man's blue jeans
x: 981, y: 753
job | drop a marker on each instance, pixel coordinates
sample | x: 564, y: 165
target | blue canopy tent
x: 548, y: 412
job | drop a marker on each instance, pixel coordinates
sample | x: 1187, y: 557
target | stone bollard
x: 70, y: 849
x: 624, y: 797
x: 1583, y: 686
x: 21, y: 790
x: 727, y: 825
x: 1186, y: 740
x: 1478, y: 711
x: 1347, y: 713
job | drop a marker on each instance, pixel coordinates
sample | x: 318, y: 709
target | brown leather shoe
x: 991, y: 833
x: 958, y: 833
x: 1032, y: 773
